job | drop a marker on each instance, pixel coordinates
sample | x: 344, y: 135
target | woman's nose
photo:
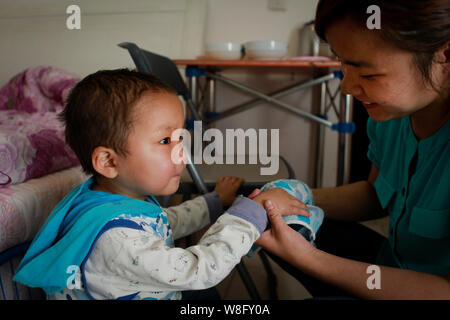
x: 350, y: 85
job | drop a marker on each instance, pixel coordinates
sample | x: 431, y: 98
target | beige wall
x: 246, y: 20
x: 33, y: 32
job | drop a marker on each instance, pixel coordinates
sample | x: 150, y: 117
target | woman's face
x: 381, y: 76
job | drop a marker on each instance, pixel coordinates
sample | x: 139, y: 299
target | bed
x: 37, y: 167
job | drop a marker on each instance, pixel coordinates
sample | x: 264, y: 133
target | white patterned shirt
x: 136, y: 257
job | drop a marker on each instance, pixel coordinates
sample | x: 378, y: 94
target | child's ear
x: 104, y: 162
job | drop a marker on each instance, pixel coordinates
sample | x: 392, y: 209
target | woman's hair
x: 99, y: 111
x: 421, y: 27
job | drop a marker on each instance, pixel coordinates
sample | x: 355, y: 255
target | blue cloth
x: 303, y: 193
x: 306, y: 226
x: 69, y: 232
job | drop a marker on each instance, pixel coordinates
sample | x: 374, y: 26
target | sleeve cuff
x: 251, y: 211
x: 215, y: 206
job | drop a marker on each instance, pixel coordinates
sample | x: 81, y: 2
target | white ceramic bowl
x: 223, y: 50
x: 265, y: 49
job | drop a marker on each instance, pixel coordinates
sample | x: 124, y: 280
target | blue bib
x: 69, y: 232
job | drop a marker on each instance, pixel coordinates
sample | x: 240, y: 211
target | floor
x: 288, y: 288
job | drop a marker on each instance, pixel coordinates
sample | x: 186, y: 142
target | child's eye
x: 165, y: 141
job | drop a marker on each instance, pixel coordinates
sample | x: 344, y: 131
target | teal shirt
x: 418, y: 202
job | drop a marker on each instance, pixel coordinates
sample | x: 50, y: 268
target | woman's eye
x: 368, y: 76
x: 165, y: 141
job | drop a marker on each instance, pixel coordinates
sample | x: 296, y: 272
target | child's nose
x: 179, y: 154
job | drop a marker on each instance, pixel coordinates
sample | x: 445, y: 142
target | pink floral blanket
x: 32, y: 140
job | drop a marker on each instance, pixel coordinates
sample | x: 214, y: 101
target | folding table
x: 325, y: 70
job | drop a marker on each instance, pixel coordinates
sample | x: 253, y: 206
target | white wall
x: 245, y: 20
x: 34, y: 32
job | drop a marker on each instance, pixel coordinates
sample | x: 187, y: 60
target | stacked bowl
x: 258, y: 49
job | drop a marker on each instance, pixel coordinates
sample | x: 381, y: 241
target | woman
x: 401, y: 75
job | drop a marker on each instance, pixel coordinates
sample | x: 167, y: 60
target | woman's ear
x: 447, y: 52
x: 443, y: 54
x: 104, y: 161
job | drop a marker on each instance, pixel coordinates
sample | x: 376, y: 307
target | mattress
x: 24, y: 207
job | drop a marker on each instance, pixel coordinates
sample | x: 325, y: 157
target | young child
x: 109, y: 238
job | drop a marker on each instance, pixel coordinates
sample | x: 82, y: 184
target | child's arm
x: 192, y: 215
x: 127, y: 260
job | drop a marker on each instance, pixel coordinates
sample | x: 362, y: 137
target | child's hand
x: 226, y: 188
x: 254, y: 193
x: 286, y: 203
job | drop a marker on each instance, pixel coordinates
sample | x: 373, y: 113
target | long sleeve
x: 125, y: 260
x: 192, y: 215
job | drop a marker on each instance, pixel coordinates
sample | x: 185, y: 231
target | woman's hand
x: 349, y: 275
x: 287, y: 204
x: 281, y: 239
x: 226, y: 188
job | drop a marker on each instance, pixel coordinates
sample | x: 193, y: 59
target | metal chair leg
x: 248, y: 282
x: 272, y: 282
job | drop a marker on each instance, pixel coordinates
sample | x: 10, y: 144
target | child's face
x: 384, y: 75
x: 148, y: 168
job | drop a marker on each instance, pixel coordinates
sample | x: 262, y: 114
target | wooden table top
x: 299, y: 62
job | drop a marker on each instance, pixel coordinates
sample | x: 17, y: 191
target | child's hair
x: 417, y: 26
x: 99, y: 108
